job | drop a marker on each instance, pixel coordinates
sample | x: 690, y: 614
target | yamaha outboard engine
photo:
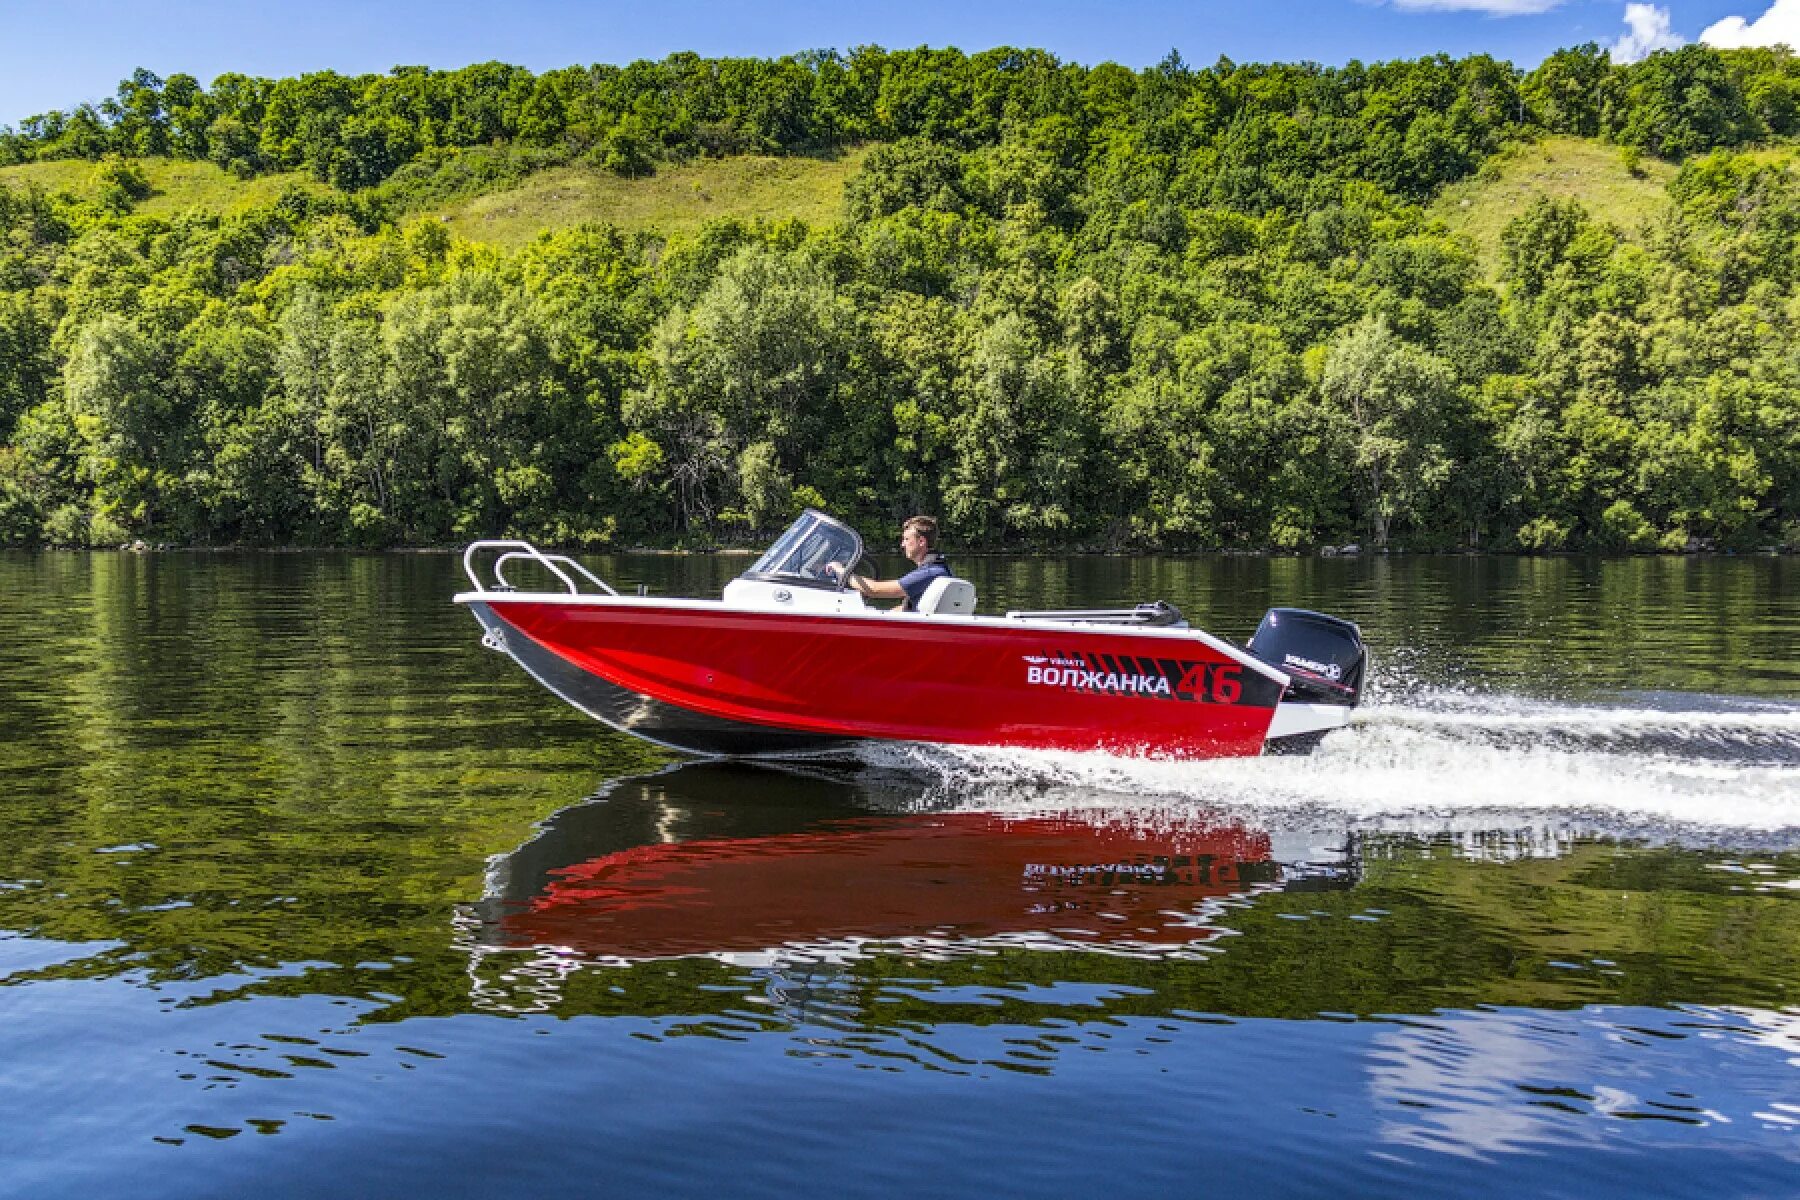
x: 1323, y: 656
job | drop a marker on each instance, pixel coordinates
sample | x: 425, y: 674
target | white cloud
x: 1780, y: 24
x: 1493, y: 8
x: 1646, y: 32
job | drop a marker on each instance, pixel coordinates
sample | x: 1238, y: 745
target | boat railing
x: 1154, y: 613
x: 571, y: 574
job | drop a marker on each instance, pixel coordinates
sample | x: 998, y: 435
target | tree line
x: 1409, y: 125
x: 1173, y: 308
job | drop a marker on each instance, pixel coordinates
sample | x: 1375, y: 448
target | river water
x: 303, y: 893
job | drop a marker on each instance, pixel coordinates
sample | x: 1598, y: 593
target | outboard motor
x: 1323, y: 656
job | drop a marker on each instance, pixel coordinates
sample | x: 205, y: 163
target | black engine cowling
x: 1323, y: 656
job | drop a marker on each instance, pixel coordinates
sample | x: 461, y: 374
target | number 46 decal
x: 1220, y: 683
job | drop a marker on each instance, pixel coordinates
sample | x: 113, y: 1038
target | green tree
x: 1571, y: 90
x: 27, y: 367
x: 1682, y: 102
x: 1400, y: 403
x: 767, y: 355
x: 1018, y: 444
x: 129, y: 425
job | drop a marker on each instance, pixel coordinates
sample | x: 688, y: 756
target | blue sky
x: 57, y: 53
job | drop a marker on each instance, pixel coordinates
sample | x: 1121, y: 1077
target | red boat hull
x: 712, y: 679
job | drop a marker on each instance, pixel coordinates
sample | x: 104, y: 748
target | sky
x: 59, y: 53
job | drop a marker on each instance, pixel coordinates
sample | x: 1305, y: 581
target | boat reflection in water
x: 764, y: 867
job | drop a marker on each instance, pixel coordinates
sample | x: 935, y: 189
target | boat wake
x: 1660, y: 767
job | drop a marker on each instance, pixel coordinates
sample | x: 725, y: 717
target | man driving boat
x: 918, y: 541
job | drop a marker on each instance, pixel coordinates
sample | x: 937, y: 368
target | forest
x: 1181, y: 308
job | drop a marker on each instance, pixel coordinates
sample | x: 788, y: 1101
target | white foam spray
x: 1691, y: 769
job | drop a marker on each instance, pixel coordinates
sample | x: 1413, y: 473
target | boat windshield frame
x: 799, y: 555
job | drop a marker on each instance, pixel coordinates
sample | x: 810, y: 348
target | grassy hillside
x: 675, y: 199
x: 176, y: 185
x: 682, y: 198
x: 1590, y: 171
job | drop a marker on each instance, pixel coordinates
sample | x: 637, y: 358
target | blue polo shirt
x: 915, y: 581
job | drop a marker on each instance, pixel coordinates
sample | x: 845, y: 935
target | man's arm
x: 877, y: 589
x: 873, y: 589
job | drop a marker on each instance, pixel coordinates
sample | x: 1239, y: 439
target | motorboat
x: 791, y: 661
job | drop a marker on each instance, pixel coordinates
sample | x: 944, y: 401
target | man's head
x: 918, y: 537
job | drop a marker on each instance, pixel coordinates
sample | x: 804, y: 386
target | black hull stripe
x: 651, y: 719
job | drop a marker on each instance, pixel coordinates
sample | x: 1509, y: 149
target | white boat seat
x: 948, y: 596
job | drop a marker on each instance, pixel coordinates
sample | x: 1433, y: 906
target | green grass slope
x: 681, y: 198
x: 1563, y: 168
x: 176, y: 185
x: 674, y: 200
x: 677, y: 199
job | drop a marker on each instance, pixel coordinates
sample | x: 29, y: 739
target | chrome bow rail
x: 562, y: 566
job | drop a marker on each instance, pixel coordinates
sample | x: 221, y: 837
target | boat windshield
x: 810, y: 545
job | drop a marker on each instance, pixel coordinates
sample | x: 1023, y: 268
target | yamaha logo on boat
x: 1123, y: 675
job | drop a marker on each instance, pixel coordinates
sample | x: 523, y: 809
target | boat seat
x: 948, y: 596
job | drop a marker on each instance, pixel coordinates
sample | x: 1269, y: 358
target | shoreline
x: 1350, y: 552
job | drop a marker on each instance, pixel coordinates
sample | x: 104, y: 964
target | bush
x: 21, y: 520
x: 120, y: 183
x: 104, y: 531
x: 1543, y: 534
x: 67, y: 526
x: 1622, y: 527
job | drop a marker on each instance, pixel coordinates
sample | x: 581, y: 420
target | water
x: 302, y: 893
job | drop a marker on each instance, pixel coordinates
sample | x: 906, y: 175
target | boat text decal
x: 1131, y: 675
